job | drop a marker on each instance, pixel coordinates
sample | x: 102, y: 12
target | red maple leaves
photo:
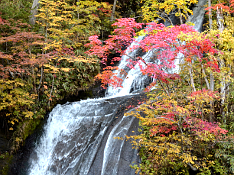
x: 163, y: 43
x: 223, y: 6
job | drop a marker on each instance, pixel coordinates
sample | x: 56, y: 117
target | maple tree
x: 173, y: 124
x: 39, y: 68
x: 60, y: 29
x: 158, y: 37
x: 174, y: 136
x: 19, y: 75
x: 73, y: 24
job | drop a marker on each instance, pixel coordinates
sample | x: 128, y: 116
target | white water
x: 113, y: 147
x: 131, y: 76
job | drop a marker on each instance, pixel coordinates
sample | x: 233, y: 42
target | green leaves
x: 13, y: 9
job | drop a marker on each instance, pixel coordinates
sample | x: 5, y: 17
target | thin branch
x: 168, y: 18
x: 51, y: 91
x: 11, y: 73
x: 191, y: 77
x: 205, y: 77
x: 168, y: 93
x: 40, y: 80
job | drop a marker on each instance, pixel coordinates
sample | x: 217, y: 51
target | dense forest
x: 53, y: 49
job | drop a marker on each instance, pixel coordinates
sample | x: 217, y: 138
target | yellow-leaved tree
x: 37, y: 70
x: 153, y: 9
x: 66, y: 28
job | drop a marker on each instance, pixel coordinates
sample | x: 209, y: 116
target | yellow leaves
x: 188, y: 38
x: 16, y: 100
x: 119, y: 138
x: 168, y: 135
x: 16, y: 83
x: 154, y: 9
x: 17, y: 139
x: 12, y: 122
x: 53, y: 45
x: 69, y: 22
x: 141, y: 33
x: 51, y: 67
x: 147, y: 122
x: 187, y: 158
x: 66, y: 69
x: 28, y: 114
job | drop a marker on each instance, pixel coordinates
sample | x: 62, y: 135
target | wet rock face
x: 4, y: 146
x: 82, y: 149
x: 5, y: 135
x: 3, y: 143
x: 198, y: 15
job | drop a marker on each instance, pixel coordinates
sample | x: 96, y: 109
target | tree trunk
x: 34, y: 9
x: 210, y: 14
x: 191, y: 77
x: 210, y: 25
x: 205, y: 77
x: 211, y: 73
x: 113, y: 11
x: 220, y: 22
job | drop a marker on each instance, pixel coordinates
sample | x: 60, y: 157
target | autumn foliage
x: 187, y: 121
x: 180, y: 130
x: 40, y: 66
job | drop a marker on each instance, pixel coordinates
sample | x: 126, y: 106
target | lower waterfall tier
x: 78, y: 139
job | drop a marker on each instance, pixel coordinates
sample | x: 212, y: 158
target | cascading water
x: 78, y: 138
x: 75, y: 132
x: 73, y: 135
x: 128, y: 80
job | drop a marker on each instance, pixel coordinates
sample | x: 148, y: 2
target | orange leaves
x: 202, y: 96
x: 225, y: 7
x: 108, y: 77
x: 173, y: 134
x: 221, y: 6
x: 5, y: 56
x: 21, y: 54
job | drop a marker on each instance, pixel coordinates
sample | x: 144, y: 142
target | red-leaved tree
x: 175, y: 120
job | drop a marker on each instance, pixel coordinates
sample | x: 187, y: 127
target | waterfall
x: 73, y: 135
x: 75, y: 131
x: 132, y: 73
x: 78, y: 138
